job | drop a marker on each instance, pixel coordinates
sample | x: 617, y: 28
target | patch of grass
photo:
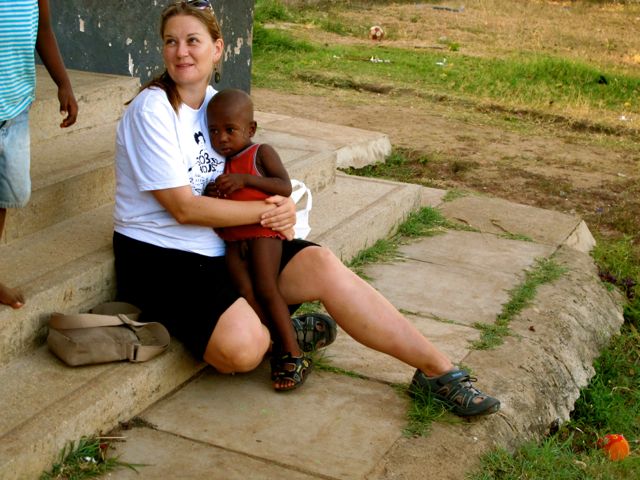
x: 401, y: 165
x: 423, y: 411
x: 516, y: 236
x: 535, y: 81
x: 270, y: 11
x: 86, y: 459
x: 320, y: 362
x: 309, y: 307
x: 381, y: 251
x: 454, y: 194
x: 426, y: 222
x: 544, y: 271
x: 267, y: 41
x: 618, y: 263
x: 610, y: 404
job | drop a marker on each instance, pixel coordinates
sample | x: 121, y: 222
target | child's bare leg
x: 265, y: 266
x: 237, y: 262
x: 8, y: 296
x: 265, y: 263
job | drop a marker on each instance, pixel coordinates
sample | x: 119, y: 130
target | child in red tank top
x: 255, y: 172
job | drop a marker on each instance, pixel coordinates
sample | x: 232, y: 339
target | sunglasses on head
x: 199, y: 4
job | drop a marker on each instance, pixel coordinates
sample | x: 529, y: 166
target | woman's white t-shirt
x: 158, y: 149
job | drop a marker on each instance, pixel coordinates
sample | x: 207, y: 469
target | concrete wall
x: 121, y: 37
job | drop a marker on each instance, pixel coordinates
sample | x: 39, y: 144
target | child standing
x: 255, y: 172
x: 24, y: 25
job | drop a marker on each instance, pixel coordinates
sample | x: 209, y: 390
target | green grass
x: 86, y: 459
x: 492, y: 335
x: 554, y: 459
x: 534, y: 81
x: 609, y: 404
x: 321, y: 362
x: 423, y: 223
x: 423, y: 411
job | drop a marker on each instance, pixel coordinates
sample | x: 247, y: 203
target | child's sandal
x: 288, y: 367
x: 314, y: 331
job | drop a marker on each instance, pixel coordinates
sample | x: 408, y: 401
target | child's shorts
x: 15, y: 155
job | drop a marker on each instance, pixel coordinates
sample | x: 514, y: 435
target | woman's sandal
x: 288, y: 367
x: 455, y: 389
x: 314, y: 331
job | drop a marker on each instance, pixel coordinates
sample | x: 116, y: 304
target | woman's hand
x: 282, y: 217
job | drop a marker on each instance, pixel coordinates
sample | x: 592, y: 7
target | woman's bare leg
x: 316, y: 274
x: 239, y: 341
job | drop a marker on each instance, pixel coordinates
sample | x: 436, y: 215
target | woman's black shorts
x: 185, y: 291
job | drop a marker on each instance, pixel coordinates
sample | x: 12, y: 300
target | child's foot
x: 289, y: 372
x: 11, y: 297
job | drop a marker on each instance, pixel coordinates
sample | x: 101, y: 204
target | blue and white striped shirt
x: 18, y: 33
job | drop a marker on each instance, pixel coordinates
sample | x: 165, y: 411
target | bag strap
x: 298, y: 190
x: 136, y: 352
x: 61, y: 321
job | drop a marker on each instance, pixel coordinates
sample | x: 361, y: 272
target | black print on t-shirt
x: 204, y: 162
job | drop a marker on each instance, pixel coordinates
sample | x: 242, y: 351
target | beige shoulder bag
x: 109, y: 333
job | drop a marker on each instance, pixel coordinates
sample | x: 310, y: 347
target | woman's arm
x: 47, y: 48
x: 276, y: 212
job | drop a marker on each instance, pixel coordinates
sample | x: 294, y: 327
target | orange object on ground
x: 615, y: 445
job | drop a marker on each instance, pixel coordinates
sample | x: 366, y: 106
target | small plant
x: 381, y: 251
x: 426, y: 222
x: 454, y: 194
x: 423, y: 411
x: 271, y: 10
x: 545, y: 271
x: 308, y: 307
x: 86, y: 459
x: 320, y: 362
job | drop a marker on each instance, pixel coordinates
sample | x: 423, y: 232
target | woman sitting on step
x: 170, y: 262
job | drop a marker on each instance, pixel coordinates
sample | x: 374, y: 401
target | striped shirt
x: 18, y: 33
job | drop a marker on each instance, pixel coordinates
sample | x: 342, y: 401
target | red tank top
x: 245, y: 162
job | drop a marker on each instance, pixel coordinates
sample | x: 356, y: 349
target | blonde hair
x: 208, y: 19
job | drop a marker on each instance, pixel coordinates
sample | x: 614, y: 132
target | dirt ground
x: 548, y: 164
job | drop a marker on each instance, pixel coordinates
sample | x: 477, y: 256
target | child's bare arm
x: 274, y: 179
x: 47, y: 48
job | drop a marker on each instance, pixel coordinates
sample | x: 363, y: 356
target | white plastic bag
x: 299, y: 191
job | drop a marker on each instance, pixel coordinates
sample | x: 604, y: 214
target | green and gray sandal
x: 287, y: 367
x: 314, y: 330
x: 455, y: 389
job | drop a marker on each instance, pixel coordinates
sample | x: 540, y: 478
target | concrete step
x: 58, y: 404
x: 101, y: 100
x: 69, y: 266
x: 71, y: 175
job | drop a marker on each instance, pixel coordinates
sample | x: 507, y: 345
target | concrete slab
x: 462, y: 277
x: 355, y: 212
x: 581, y: 239
x: 493, y: 215
x: 354, y: 147
x: 330, y: 420
x: 476, y: 251
x: 448, y: 293
x: 50, y: 404
x: 432, y: 197
x: 164, y: 456
x: 346, y: 353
